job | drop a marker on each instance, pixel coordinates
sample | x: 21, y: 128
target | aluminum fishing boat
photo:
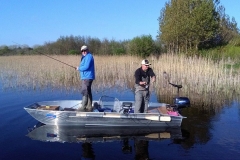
x: 107, y: 111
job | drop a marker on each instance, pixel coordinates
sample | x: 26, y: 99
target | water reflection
x: 87, y: 151
x: 141, y: 149
x: 126, y: 148
x: 90, y: 135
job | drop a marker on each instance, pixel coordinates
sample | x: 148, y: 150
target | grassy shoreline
x: 201, y: 78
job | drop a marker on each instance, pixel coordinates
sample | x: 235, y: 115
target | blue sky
x: 34, y: 22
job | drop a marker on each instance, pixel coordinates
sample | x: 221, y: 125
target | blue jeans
x: 141, y: 101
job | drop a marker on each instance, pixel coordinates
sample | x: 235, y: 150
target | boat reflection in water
x: 89, y: 135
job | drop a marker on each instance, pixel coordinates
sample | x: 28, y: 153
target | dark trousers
x: 87, y: 88
x: 87, y: 94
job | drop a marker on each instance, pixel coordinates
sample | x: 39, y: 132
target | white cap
x: 84, y: 48
x: 145, y: 62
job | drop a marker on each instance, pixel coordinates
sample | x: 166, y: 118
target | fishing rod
x: 51, y: 57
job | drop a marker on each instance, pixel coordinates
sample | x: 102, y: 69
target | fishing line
x: 51, y: 57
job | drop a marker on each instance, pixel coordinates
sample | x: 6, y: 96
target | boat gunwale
x: 102, y: 113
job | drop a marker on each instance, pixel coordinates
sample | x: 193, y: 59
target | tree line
x: 192, y: 25
x: 142, y: 46
x: 184, y: 26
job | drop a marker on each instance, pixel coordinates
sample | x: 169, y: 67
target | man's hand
x: 153, y: 79
x: 142, y: 83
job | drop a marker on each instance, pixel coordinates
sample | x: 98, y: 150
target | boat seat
x: 69, y: 109
x: 161, y: 110
x: 126, y: 107
x: 46, y: 107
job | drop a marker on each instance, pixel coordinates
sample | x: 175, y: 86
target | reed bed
x: 203, y: 80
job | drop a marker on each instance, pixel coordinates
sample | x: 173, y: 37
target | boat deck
x: 155, y: 108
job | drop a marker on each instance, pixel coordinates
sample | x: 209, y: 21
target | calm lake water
x: 202, y: 135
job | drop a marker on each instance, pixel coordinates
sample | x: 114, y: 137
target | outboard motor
x: 180, y: 102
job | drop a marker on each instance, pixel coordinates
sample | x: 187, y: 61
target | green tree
x: 4, y: 50
x: 185, y: 24
x: 73, y: 52
x: 142, y: 46
x: 229, y: 31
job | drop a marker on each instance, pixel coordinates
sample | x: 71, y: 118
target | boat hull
x: 75, y: 118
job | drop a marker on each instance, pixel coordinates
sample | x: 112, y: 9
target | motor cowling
x: 181, y: 102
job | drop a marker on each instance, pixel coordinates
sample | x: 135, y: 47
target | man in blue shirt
x: 87, y: 75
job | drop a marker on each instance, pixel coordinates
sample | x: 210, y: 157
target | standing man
x: 143, y: 76
x: 87, y: 75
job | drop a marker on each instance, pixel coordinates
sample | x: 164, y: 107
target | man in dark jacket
x: 143, y: 76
